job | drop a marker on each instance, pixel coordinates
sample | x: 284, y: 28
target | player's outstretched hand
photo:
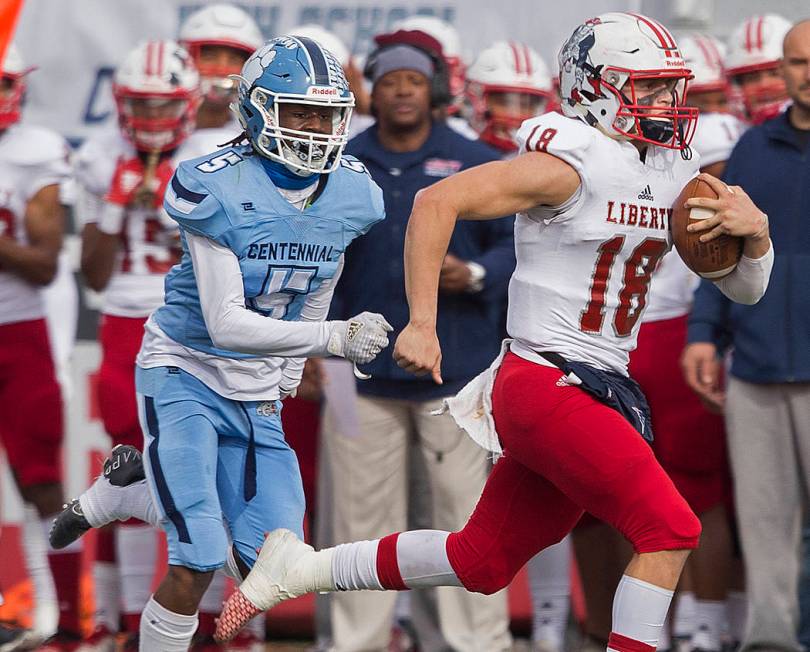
x: 417, y: 350
x: 735, y: 213
x: 359, y: 339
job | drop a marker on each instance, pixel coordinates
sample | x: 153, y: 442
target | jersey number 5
x: 638, y: 269
x: 281, y: 285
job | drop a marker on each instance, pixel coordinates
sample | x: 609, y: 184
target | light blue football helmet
x: 294, y: 70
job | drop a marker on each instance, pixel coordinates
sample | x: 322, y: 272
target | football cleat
x: 68, y: 526
x: 286, y: 568
x: 122, y: 468
x: 17, y: 638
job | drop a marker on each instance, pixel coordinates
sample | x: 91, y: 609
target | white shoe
x: 286, y: 568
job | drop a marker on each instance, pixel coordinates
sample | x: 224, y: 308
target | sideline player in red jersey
x: 568, y: 421
x: 33, y: 164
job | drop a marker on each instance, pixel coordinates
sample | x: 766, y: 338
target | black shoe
x: 12, y: 638
x: 69, y: 525
x: 124, y: 466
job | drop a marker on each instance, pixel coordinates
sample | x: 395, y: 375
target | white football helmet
x: 756, y: 45
x: 222, y: 25
x: 12, y: 72
x: 157, y: 93
x: 325, y: 38
x: 704, y: 56
x: 507, y: 84
x: 600, y: 66
x: 448, y: 38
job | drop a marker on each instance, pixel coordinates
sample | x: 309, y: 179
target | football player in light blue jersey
x: 264, y: 225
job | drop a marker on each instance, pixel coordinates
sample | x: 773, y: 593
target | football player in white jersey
x: 128, y: 246
x: 220, y: 38
x: 33, y: 165
x: 690, y: 442
x: 752, y: 65
x: 507, y: 84
x: 570, y: 422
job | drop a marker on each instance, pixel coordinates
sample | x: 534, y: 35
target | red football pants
x: 120, y: 342
x: 31, y: 417
x: 565, y: 452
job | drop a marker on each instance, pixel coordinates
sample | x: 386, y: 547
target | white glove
x: 361, y: 338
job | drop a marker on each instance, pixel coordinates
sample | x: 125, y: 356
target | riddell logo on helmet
x: 675, y: 63
x: 322, y: 90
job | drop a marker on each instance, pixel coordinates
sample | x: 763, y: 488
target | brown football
x: 712, y: 260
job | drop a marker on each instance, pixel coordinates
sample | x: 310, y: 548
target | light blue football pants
x: 219, y: 470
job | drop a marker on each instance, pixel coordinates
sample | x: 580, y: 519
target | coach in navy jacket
x: 374, y: 278
x: 767, y: 398
x: 771, y: 338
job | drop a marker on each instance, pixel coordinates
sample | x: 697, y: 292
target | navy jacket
x: 373, y: 278
x: 771, y: 338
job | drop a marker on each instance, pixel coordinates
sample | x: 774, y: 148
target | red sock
x: 105, y: 545
x: 621, y: 643
x: 67, y: 570
x: 131, y: 623
x: 387, y: 565
x: 207, y: 625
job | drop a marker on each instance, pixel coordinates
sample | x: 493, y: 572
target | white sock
x: 214, y: 595
x: 664, y: 639
x: 165, y: 630
x: 737, y: 603
x: 640, y: 610
x: 35, y: 547
x: 550, y: 585
x: 107, y: 594
x: 136, y: 550
x: 710, y: 617
x: 354, y: 566
x: 421, y: 558
x: 104, y: 503
x: 683, y: 621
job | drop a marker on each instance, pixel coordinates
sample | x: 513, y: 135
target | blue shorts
x: 217, y: 468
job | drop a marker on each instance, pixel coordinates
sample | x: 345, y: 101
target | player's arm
x: 735, y: 214
x: 484, y: 192
x: 316, y: 308
x: 36, y: 262
x: 233, y: 327
x: 101, y: 237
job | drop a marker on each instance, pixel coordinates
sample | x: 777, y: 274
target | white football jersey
x: 206, y: 141
x: 673, y: 284
x: 583, y: 268
x: 716, y: 135
x: 148, y: 248
x: 31, y: 158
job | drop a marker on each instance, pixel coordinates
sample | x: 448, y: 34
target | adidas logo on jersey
x: 646, y: 194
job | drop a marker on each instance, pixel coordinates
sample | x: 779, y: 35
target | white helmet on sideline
x: 221, y: 25
x: 506, y: 84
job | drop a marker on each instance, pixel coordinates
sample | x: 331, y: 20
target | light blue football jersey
x: 284, y: 253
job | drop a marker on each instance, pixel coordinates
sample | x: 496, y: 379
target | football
x: 712, y: 260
